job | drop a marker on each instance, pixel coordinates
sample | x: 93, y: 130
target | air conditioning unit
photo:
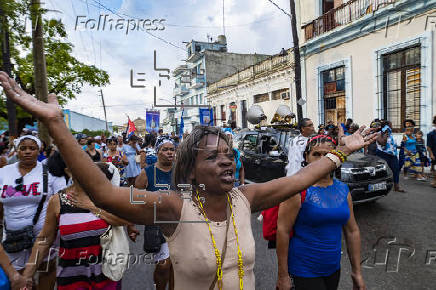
x: 286, y: 96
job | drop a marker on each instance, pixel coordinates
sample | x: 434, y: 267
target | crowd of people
x: 78, y: 189
x: 412, y: 152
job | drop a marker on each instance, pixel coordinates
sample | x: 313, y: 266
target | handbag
x: 114, y: 244
x: 22, y: 239
x: 4, y: 280
x: 153, y: 239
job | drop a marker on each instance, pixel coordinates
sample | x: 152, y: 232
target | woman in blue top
x: 412, y: 163
x: 311, y: 259
x: 132, y: 169
x: 239, y: 172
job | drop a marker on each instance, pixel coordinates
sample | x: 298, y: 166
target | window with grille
x: 334, y: 94
x: 402, y: 86
x: 261, y: 98
x: 278, y: 95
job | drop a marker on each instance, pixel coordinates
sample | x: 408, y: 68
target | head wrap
x: 322, y: 136
x: 387, y: 128
x: 31, y: 137
x: 161, y: 141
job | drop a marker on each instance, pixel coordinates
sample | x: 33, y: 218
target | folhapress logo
x: 104, y: 22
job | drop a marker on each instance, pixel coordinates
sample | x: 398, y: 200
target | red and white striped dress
x: 80, y: 253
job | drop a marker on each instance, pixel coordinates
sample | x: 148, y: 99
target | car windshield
x: 250, y: 142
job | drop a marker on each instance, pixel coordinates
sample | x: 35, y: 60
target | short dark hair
x: 112, y: 140
x: 410, y: 121
x: 186, y: 154
x: 303, y: 123
x: 133, y: 138
x: 90, y: 141
x: 56, y: 165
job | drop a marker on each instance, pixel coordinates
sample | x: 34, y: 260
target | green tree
x: 66, y: 75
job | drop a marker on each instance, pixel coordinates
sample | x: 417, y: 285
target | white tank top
x: 192, y: 253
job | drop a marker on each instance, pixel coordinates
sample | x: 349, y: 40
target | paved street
x: 404, y: 224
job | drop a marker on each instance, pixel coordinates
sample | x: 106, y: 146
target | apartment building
x: 366, y: 59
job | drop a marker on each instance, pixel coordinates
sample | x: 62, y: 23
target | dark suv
x: 264, y: 153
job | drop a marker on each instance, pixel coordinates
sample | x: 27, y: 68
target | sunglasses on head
x: 19, y: 184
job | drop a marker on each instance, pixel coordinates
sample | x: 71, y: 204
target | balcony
x: 342, y: 15
x: 180, y: 69
x: 180, y: 91
x: 198, y: 81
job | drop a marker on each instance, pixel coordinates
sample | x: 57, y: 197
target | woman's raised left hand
x: 357, y: 141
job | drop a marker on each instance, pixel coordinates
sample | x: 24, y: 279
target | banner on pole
x: 206, y: 117
x: 152, y: 121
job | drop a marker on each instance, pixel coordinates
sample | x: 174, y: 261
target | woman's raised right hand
x: 39, y: 109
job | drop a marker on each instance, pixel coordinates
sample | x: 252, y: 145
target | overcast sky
x: 250, y: 27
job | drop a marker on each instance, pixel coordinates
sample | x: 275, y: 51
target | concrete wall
x: 220, y: 65
x: 361, y: 54
x: 78, y: 122
x: 308, y: 11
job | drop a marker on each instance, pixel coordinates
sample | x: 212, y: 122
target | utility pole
x: 297, y: 61
x: 7, y: 67
x: 104, y: 108
x: 40, y: 71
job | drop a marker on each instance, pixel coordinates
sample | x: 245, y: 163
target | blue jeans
x: 392, y: 161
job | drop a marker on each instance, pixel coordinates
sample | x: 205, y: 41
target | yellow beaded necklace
x: 219, y: 271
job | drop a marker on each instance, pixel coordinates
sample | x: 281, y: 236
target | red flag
x: 130, y: 128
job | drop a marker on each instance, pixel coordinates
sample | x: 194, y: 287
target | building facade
x: 366, y: 59
x: 79, y: 122
x: 140, y: 125
x: 268, y: 83
x: 206, y: 63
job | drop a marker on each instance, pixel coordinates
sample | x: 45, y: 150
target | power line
x: 215, y: 26
x: 148, y: 32
x: 280, y: 8
x: 92, y: 36
x: 181, y: 25
x: 80, y: 34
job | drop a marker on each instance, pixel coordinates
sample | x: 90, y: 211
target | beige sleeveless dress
x: 192, y: 253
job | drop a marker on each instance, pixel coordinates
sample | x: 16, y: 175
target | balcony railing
x: 198, y: 81
x: 343, y: 15
x: 180, y: 91
x: 265, y: 67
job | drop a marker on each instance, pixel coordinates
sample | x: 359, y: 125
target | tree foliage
x: 66, y: 75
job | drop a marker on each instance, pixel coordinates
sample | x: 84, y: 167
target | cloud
x: 251, y: 26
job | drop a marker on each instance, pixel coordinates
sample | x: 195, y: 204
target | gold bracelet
x: 98, y: 214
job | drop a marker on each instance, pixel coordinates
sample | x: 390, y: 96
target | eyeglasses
x: 19, y: 184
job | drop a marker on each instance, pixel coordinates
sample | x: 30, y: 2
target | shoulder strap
x: 44, y: 194
x: 303, y: 196
x: 223, y: 253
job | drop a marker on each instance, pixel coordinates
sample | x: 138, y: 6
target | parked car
x: 264, y: 153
